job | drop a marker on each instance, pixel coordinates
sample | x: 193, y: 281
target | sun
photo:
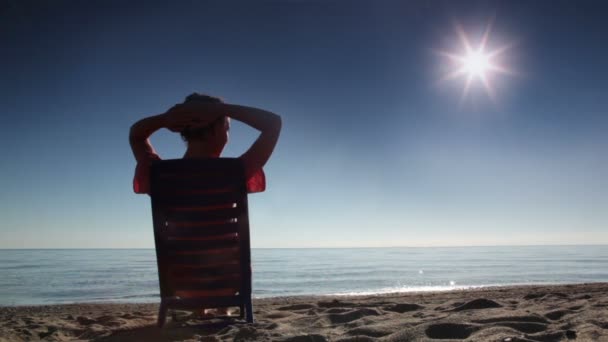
x: 476, y: 63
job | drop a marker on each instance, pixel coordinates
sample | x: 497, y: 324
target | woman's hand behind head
x: 193, y: 115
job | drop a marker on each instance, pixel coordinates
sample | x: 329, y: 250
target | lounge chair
x: 201, y: 231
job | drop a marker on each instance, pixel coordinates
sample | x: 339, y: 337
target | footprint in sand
x: 369, y: 332
x: 279, y: 315
x: 296, y: 307
x: 401, y: 308
x: 553, y: 336
x: 529, y: 319
x: 25, y: 332
x: 106, y: 318
x: 450, y: 331
x: 423, y: 315
x: 85, y: 320
x: 108, y: 321
x: 543, y: 295
x: 525, y: 327
x: 357, y: 339
x: 243, y: 333
x: 336, y: 310
x: 576, y: 307
x: 269, y: 326
x: 352, y: 315
x: 477, y: 304
x: 557, y: 314
x: 305, y: 338
x: 558, y: 295
x: 526, y: 324
x: 335, y: 304
x: 601, y: 324
x: 536, y: 295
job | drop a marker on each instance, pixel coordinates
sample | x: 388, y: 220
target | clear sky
x: 375, y: 150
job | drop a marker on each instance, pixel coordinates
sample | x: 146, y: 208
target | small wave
x: 147, y: 295
x: 20, y: 267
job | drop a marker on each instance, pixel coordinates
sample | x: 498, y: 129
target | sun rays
x: 476, y: 63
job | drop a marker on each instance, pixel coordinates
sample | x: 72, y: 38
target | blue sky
x: 374, y: 150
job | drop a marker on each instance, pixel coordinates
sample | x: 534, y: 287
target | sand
x: 525, y: 313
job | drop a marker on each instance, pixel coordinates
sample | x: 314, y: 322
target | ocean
x: 58, y: 276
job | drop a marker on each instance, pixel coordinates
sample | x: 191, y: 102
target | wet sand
x: 506, y: 314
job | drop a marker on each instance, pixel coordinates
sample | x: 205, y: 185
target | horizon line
x: 353, y: 247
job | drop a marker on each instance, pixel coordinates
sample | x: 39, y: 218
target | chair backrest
x: 201, y: 228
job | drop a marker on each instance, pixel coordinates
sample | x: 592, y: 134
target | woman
x: 203, y: 122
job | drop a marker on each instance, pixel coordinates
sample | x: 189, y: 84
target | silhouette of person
x: 204, y: 123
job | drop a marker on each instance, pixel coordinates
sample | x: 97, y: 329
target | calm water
x: 64, y: 276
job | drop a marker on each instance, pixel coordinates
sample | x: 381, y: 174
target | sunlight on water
x: 406, y: 289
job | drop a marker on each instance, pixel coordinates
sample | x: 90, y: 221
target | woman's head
x: 215, y: 134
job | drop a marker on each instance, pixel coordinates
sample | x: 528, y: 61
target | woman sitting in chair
x: 203, y: 122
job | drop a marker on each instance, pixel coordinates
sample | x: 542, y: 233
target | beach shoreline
x: 503, y: 313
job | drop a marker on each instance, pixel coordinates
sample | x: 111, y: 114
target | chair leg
x: 241, y: 311
x: 249, y: 311
x: 162, y: 314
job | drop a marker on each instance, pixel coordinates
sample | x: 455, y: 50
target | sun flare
x: 476, y: 64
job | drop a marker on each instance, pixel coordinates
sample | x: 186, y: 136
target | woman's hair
x: 202, y: 98
x: 200, y: 132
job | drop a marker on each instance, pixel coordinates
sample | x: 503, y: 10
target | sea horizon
x: 344, y: 247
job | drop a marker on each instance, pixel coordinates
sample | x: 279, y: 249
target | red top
x: 141, y: 181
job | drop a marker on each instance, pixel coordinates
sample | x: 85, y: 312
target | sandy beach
x: 525, y: 313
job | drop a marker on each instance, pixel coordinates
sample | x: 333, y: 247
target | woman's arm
x: 269, y: 125
x: 200, y: 114
x: 140, y: 133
